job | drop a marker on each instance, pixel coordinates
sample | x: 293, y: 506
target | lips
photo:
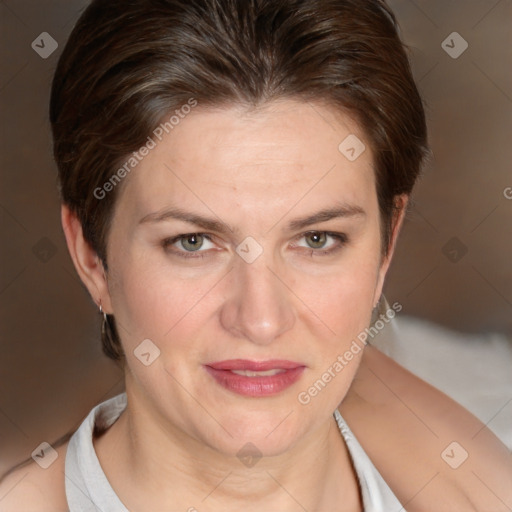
x: 255, y: 378
x: 255, y: 366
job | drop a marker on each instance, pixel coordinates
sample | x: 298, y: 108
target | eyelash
x: 341, y: 238
x: 169, y: 242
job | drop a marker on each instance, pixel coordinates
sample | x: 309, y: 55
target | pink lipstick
x: 255, y: 378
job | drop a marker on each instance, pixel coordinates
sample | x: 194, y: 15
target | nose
x: 259, y: 307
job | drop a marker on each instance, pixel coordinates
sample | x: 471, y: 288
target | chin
x: 268, y: 434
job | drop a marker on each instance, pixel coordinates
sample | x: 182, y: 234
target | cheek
x: 343, y: 297
x: 151, y: 301
x: 344, y: 302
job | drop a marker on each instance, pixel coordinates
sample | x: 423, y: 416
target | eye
x: 322, y: 242
x: 192, y: 242
x: 316, y: 239
x: 184, y: 245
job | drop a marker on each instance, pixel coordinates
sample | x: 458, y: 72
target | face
x: 245, y: 242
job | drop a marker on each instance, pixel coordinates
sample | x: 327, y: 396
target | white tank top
x: 88, y: 489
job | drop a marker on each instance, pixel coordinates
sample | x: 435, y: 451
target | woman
x: 234, y: 176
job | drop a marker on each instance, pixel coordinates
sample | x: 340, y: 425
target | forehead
x: 282, y: 153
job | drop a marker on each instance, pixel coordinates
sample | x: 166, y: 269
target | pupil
x: 192, y: 242
x: 317, y: 240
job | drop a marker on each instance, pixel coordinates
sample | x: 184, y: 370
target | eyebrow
x: 189, y: 217
x: 343, y: 210
x: 211, y: 224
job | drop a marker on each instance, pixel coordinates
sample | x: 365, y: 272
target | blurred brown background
x: 452, y: 266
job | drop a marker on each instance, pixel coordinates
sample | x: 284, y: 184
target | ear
x: 86, y: 261
x: 397, y: 220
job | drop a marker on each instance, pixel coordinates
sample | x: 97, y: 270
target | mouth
x: 255, y: 378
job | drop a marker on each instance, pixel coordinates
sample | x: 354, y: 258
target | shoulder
x: 29, y: 488
x: 423, y: 443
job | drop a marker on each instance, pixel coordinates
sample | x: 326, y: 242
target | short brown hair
x: 127, y: 63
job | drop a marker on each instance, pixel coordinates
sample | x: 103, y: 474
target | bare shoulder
x: 432, y: 452
x: 30, y: 488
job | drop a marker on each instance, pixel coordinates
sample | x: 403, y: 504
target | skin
x: 256, y: 173
x: 405, y: 425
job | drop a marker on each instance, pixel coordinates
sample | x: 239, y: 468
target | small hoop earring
x: 105, y: 328
x: 108, y: 338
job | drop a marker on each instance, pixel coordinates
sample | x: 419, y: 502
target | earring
x: 108, y: 337
x: 105, y: 328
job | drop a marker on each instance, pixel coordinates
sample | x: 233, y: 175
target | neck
x: 176, y: 471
